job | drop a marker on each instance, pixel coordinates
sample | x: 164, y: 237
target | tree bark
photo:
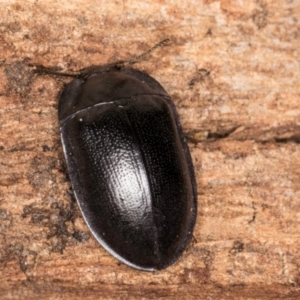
x: 232, y: 69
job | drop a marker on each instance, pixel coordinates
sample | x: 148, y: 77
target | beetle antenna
x: 49, y: 71
x: 38, y: 69
x: 135, y: 59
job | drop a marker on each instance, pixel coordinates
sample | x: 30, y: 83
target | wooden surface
x: 232, y: 69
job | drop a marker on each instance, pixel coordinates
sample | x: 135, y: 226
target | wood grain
x: 232, y: 69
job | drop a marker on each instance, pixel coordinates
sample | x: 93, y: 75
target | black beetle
x: 129, y: 164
